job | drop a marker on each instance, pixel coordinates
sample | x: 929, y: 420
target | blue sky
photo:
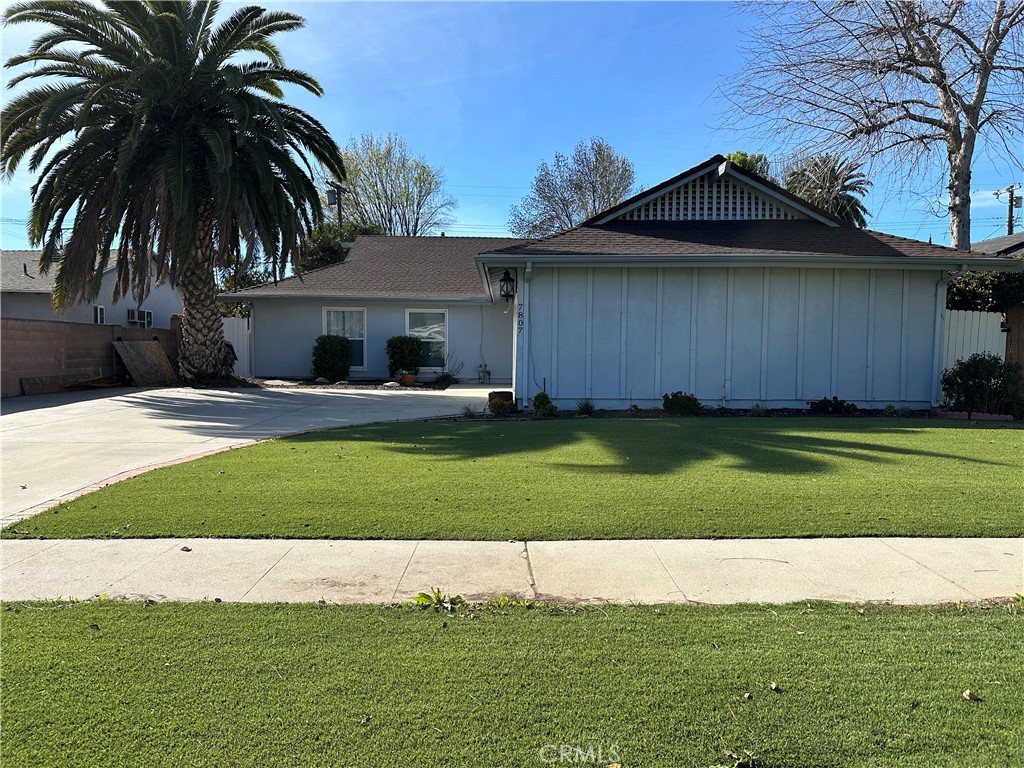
x: 488, y: 91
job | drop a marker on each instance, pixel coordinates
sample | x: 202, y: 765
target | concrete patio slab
x: 335, y: 572
x: 125, y: 431
x: 477, y: 570
x: 609, y: 571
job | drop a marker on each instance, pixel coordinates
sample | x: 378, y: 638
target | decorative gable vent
x: 712, y: 198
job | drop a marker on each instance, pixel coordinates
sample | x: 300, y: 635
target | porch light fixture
x: 507, y: 287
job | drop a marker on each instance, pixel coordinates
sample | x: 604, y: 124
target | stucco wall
x: 778, y: 336
x: 284, y: 330
x: 163, y: 301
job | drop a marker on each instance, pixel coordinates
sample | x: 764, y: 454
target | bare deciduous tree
x: 389, y: 187
x: 573, y: 189
x: 892, y: 79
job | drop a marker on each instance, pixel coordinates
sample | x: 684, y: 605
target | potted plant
x: 406, y: 377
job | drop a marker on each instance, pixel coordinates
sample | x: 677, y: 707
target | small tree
x: 572, y: 189
x: 985, y: 291
x: 325, y: 245
x: 332, y: 357
x: 755, y: 162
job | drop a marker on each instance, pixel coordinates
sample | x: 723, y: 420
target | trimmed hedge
x: 405, y: 353
x: 332, y: 357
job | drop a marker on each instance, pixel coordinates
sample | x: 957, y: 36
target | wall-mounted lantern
x: 507, y: 287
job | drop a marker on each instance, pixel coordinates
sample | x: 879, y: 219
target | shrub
x: 332, y: 356
x: 585, y: 407
x: 542, y: 405
x: 445, y: 380
x: 500, y: 407
x: 405, y: 353
x: 758, y: 410
x: 982, y: 383
x: 831, y: 406
x: 681, y: 404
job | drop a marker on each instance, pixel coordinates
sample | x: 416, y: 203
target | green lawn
x: 120, y: 684
x: 583, y: 478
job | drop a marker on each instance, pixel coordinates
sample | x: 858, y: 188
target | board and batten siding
x: 733, y: 336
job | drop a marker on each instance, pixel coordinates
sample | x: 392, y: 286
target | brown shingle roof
x: 694, y: 238
x: 393, y: 267
x: 1007, y: 245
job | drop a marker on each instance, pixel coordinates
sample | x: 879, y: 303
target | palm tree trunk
x: 202, y: 355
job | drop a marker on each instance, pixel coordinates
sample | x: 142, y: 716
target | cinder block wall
x: 30, y: 348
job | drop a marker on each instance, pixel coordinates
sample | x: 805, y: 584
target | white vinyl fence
x: 971, y: 332
x: 236, y: 333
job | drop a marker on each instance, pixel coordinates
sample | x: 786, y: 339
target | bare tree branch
x: 891, y: 80
x: 571, y: 190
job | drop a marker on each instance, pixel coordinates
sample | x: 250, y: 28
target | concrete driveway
x: 55, y: 446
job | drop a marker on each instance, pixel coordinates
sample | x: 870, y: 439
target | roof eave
x: 241, y: 298
x: 822, y: 260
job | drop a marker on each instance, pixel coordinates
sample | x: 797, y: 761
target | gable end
x: 713, y: 197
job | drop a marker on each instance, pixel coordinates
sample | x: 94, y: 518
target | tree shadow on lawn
x: 651, y: 447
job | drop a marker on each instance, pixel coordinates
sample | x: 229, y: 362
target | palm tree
x: 833, y: 184
x: 165, y: 134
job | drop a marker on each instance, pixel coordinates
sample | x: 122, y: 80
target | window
x: 98, y: 314
x: 350, y: 323
x: 432, y: 327
x: 140, y: 318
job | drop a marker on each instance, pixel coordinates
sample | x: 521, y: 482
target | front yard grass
x: 204, y: 684
x: 579, y: 479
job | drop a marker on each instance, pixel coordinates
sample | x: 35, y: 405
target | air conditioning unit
x: 140, y: 318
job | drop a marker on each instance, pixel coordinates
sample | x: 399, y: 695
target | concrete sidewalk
x: 897, y: 570
x: 59, y: 446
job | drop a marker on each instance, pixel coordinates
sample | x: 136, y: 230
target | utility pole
x: 334, y: 193
x: 1013, y: 202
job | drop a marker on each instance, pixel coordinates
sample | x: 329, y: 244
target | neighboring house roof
x: 19, y: 272
x: 1007, y: 245
x: 379, y: 266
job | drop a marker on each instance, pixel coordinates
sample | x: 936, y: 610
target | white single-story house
x: 27, y: 294
x: 715, y: 282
